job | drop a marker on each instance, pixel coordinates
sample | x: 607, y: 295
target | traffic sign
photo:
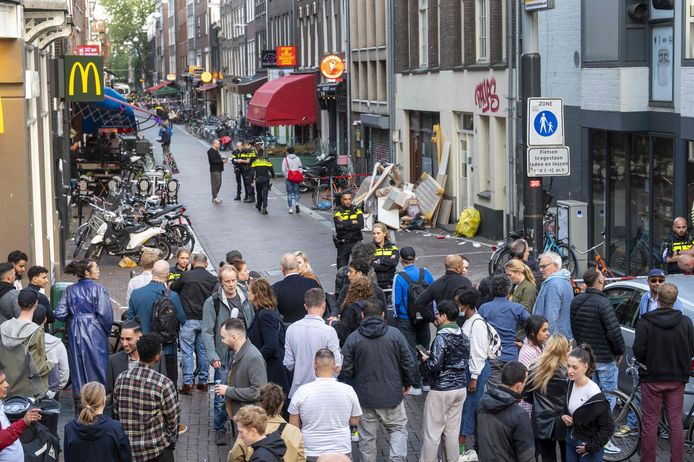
x: 545, y: 122
x: 553, y: 161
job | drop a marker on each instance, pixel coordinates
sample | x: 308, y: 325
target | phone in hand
x: 422, y: 351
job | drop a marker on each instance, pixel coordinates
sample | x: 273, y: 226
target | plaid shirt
x: 146, y: 403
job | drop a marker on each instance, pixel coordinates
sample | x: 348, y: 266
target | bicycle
x: 324, y: 194
x: 625, y: 405
x: 600, y: 263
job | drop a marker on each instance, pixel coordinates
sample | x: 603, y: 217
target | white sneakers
x: 469, y: 456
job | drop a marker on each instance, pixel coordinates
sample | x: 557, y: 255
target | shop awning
x: 158, y: 86
x: 166, y: 91
x: 288, y: 100
x: 113, y: 112
x: 247, y: 85
x: 207, y: 87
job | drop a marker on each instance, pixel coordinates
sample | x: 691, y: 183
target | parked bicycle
x: 600, y: 264
x: 325, y: 193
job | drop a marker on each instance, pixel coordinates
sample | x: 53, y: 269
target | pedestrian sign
x: 545, y: 122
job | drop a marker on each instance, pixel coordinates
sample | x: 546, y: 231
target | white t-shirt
x: 325, y: 406
x: 580, y: 395
x: 14, y: 452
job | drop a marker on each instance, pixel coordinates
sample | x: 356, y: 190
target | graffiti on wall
x: 485, y: 95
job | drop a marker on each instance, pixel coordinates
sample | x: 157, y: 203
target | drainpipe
x: 510, y: 121
x: 390, y: 63
x: 348, y: 57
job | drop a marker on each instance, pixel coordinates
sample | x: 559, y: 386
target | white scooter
x: 118, y: 237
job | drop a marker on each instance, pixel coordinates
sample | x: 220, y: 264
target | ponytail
x: 584, y: 353
x: 93, y: 399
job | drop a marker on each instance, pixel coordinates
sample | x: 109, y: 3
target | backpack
x: 414, y: 289
x: 39, y: 444
x: 165, y: 323
x: 494, y: 341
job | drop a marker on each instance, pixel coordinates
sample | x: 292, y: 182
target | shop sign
x: 332, y: 67
x: 206, y: 77
x: 88, y: 50
x: 537, y: 5
x: 554, y: 161
x: 83, y: 78
x: 171, y: 77
x: 268, y: 59
x: 286, y: 56
x: 195, y: 70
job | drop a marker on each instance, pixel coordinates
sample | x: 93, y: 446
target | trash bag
x: 417, y: 223
x: 468, y: 222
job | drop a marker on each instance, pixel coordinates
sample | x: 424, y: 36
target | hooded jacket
x: 16, y: 332
x: 664, y: 344
x: 269, y: 449
x: 8, y: 301
x: 554, y: 302
x: 291, y: 435
x: 593, y: 321
x: 291, y: 162
x: 449, y: 359
x: 503, y: 428
x: 212, y: 322
x: 379, y: 359
x: 104, y: 440
x: 592, y: 421
x: 56, y: 353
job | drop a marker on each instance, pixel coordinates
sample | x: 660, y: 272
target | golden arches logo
x: 84, y: 73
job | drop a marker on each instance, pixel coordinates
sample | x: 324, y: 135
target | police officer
x: 680, y: 242
x: 261, y: 171
x: 386, y: 256
x: 248, y: 155
x: 235, y: 156
x: 349, y: 221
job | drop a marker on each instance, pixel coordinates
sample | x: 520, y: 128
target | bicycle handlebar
x: 573, y: 247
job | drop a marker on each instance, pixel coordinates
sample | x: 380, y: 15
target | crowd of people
x: 517, y: 369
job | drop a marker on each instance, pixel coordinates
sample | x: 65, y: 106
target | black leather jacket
x: 448, y: 359
x: 548, y: 407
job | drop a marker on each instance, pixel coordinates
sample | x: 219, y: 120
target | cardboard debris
x: 397, y: 199
x: 445, y: 212
x: 429, y: 194
x: 390, y: 218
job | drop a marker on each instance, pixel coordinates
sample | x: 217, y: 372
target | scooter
x: 120, y: 238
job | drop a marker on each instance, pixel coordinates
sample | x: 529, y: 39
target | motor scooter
x: 118, y: 237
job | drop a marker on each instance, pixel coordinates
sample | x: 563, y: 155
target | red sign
x: 286, y: 56
x: 88, y: 50
x: 535, y: 183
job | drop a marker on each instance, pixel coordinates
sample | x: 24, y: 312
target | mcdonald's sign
x: 83, y: 76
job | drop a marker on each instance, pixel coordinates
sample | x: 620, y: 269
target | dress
x: 87, y: 309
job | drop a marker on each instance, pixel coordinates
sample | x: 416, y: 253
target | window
x: 482, y: 11
x: 462, y: 31
x: 625, y: 302
x: 423, y: 33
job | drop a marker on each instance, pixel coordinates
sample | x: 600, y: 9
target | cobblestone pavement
x: 262, y: 240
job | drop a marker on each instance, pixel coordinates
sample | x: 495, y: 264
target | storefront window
x: 639, y: 216
x: 616, y: 143
x: 663, y: 192
x: 599, y: 179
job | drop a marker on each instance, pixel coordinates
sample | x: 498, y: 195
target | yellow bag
x: 468, y: 222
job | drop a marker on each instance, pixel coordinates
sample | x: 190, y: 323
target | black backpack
x: 414, y: 289
x: 39, y: 444
x: 165, y: 323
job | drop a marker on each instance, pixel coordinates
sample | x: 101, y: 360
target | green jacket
x: 525, y: 293
x: 23, y: 349
x: 212, y: 322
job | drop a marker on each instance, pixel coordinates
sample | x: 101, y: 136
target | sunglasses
x: 660, y: 280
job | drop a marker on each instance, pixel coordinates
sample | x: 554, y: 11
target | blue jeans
x: 191, y: 341
x: 468, y: 423
x: 292, y: 193
x: 573, y: 456
x: 606, y: 376
x: 220, y: 412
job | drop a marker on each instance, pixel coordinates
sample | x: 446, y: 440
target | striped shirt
x: 325, y: 407
x: 146, y: 403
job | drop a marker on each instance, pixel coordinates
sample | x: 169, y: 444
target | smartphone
x: 423, y: 351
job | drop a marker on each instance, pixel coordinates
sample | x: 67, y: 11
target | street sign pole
x: 532, y: 186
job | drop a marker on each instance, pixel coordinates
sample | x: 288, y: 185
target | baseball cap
x: 656, y: 272
x: 407, y: 253
x: 27, y: 298
x: 233, y: 256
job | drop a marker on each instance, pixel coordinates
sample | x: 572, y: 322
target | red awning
x: 288, y: 100
x: 158, y: 86
x: 207, y: 86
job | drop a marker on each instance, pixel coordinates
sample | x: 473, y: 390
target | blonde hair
x: 518, y: 266
x: 383, y: 228
x: 93, y: 399
x: 553, y: 357
x: 301, y: 254
x: 252, y: 417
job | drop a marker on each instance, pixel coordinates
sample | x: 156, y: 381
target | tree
x: 127, y: 18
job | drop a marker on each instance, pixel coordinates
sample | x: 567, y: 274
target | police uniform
x: 246, y: 172
x: 674, y: 246
x: 347, y: 232
x: 385, y: 260
x: 238, y: 168
x: 261, y: 171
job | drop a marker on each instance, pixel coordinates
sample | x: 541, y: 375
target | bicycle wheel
x: 498, y: 259
x: 180, y: 235
x: 321, y: 197
x: 568, y: 259
x: 80, y: 237
x: 629, y: 443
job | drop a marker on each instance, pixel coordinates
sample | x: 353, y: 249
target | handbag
x: 295, y: 176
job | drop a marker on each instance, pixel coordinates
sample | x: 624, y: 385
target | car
x: 625, y: 296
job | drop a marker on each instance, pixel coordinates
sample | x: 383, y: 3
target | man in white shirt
x: 324, y: 410
x: 305, y: 337
x: 147, y: 263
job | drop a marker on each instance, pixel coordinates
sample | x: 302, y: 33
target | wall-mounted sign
x: 195, y: 70
x: 268, y: 58
x: 206, y: 77
x: 537, y: 5
x: 171, y: 77
x: 661, y: 63
x: 88, y: 50
x: 332, y: 67
x: 83, y: 78
x: 286, y: 56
